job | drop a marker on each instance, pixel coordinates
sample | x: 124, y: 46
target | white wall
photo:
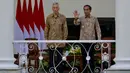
x: 6, y: 28
x: 101, y: 8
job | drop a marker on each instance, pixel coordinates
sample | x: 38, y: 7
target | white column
x: 122, y: 38
x: 6, y: 35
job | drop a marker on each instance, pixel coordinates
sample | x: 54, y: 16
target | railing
x: 71, y: 56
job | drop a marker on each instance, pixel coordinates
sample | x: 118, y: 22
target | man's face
x: 87, y: 11
x: 55, y: 8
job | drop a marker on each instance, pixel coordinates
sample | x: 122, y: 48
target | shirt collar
x: 87, y: 17
x: 55, y: 16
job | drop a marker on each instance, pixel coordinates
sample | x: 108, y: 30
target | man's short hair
x: 87, y: 6
x: 55, y: 3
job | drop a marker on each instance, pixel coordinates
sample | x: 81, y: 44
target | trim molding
x: 121, y: 65
x: 8, y: 64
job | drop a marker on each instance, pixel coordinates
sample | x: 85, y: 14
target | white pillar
x: 122, y: 38
x: 6, y: 36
